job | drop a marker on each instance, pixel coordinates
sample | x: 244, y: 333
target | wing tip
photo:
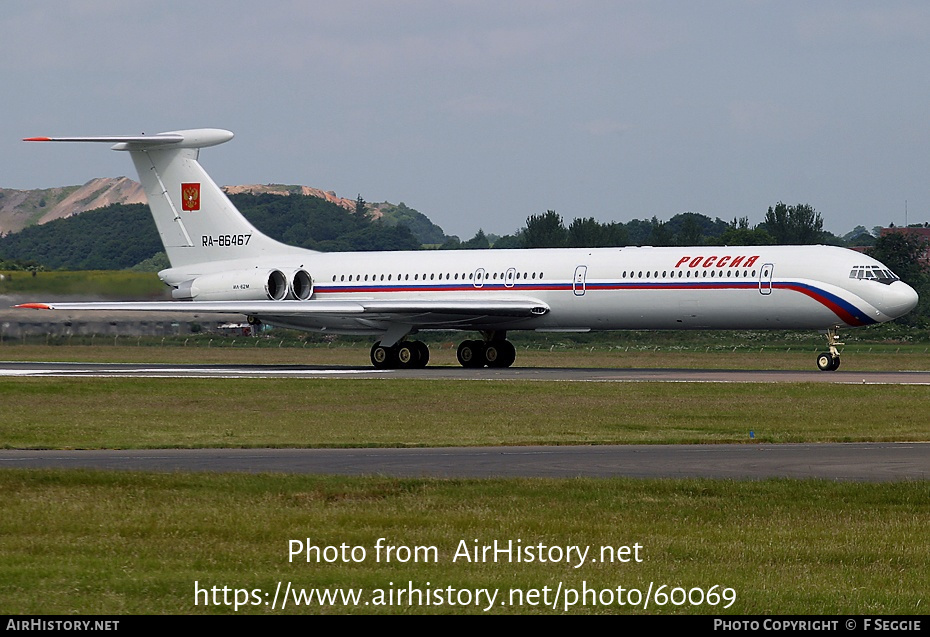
x: 33, y: 306
x: 37, y: 139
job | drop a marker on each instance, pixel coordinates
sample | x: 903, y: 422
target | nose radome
x: 899, y: 299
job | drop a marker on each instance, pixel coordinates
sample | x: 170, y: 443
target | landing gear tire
x: 470, y: 354
x: 382, y: 357
x: 504, y: 354
x: 422, y: 354
x: 827, y: 362
x: 495, y: 353
x: 406, y: 355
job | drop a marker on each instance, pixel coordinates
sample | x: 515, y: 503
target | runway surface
x: 870, y: 462
x: 91, y: 370
x: 861, y: 462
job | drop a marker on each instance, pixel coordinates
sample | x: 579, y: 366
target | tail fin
x: 195, y: 219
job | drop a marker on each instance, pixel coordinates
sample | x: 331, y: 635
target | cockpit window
x: 873, y: 272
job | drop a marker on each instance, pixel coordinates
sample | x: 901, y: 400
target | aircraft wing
x: 356, y: 308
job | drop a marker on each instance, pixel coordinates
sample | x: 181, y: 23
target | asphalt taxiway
x: 860, y: 462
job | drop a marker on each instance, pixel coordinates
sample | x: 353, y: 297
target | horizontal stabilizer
x: 193, y: 138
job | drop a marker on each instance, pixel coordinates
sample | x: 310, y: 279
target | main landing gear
x: 494, y: 351
x: 829, y: 361
x: 403, y: 355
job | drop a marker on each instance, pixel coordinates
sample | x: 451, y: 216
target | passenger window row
x: 686, y: 274
x: 447, y: 276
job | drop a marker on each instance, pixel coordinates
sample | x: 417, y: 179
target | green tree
x: 477, y: 242
x: 905, y: 253
x: 545, y: 231
x: 361, y: 207
x: 615, y: 235
x: 509, y: 241
x: 589, y: 233
x: 740, y: 234
x: 794, y: 225
x: 690, y: 233
x: 639, y: 232
x: 585, y: 233
x: 659, y: 235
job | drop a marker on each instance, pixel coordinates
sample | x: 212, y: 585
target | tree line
x: 783, y: 225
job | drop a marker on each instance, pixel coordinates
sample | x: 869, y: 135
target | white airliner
x: 221, y: 263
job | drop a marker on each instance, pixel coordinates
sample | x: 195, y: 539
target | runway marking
x: 61, y: 369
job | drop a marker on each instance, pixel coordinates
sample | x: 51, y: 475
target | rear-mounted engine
x: 301, y: 285
x: 243, y: 285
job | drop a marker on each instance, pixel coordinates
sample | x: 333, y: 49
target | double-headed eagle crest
x: 190, y: 196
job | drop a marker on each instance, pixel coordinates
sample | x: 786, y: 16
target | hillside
x: 21, y: 209
x: 123, y: 236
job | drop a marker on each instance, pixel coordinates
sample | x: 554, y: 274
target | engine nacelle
x: 301, y: 285
x: 240, y: 285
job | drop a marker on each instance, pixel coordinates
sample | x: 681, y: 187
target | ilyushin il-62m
x: 220, y: 263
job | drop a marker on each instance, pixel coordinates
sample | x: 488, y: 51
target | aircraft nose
x: 898, y: 299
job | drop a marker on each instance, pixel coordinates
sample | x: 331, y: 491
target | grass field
x: 159, y: 413
x: 97, y: 542
x: 107, y: 283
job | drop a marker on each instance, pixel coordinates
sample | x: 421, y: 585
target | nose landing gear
x: 830, y: 361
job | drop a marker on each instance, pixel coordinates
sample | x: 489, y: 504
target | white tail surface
x: 195, y: 219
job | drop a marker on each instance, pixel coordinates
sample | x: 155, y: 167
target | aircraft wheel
x: 827, y: 363
x: 470, y: 354
x: 492, y: 354
x: 422, y: 354
x: 508, y: 354
x: 382, y: 357
x: 406, y: 355
x: 500, y: 354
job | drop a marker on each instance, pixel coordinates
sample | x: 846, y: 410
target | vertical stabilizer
x: 195, y: 219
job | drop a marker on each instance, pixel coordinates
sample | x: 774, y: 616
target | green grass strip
x: 168, y: 413
x: 119, y: 542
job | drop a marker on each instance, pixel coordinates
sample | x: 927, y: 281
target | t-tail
x: 197, y: 222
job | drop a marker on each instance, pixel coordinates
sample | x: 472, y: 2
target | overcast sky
x: 479, y: 114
